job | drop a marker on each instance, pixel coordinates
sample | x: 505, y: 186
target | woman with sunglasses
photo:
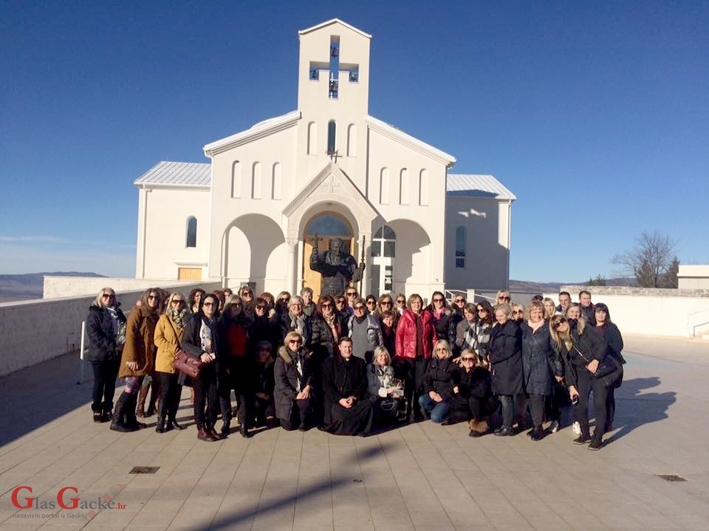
x: 466, y: 336
x: 439, y: 382
x: 294, y: 380
x: 518, y: 313
x: 201, y: 340
x: 236, y: 365
x: 483, y: 327
x: 169, y: 333
x: 137, y: 360
x: 503, y: 297
x: 327, y: 327
x: 506, y: 365
x: 400, y: 303
x: 472, y: 397
x: 583, y: 349
x: 384, y: 304
x: 442, y: 317
x: 541, y: 363
x: 106, y: 329
x: 371, y: 303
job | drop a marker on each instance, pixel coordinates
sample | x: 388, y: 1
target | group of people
x: 351, y: 365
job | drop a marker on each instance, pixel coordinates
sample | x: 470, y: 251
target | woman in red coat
x: 415, y: 337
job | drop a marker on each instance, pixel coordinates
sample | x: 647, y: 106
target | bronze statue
x: 337, y: 267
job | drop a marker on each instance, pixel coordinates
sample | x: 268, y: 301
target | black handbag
x: 608, y: 370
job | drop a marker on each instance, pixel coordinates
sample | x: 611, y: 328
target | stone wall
x: 55, y: 286
x: 35, y: 331
x: 642, y: 292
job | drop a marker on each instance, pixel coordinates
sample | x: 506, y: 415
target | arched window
x: 352, y: 140
x: 460, y: 247
x: 256, y: 183
x: 192, y: 231
x: 384, y: 242
x: 384, y: 187
x: 331, y: 132
x: 404, y: 187
x: 423, y: 188
x: 276, y: 182
x: 312, y: 138
x: 236, y: 179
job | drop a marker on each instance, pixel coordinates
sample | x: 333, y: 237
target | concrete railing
x: 35, y: 331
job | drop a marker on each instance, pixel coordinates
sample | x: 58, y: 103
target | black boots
x: 160, y: 426
x: 106, y: 411
x: 244, y: 430
x: 97, y: 413
x: 119, y: 415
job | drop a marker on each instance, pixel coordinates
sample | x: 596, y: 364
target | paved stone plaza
x: 420, y: 476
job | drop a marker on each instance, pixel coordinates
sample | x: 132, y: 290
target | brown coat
x: 139, y: 347
x: 167, y: 340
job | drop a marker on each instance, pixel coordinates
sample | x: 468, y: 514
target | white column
x: 291, y: 262
x: 366, y: 287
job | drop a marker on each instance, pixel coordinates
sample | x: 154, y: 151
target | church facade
x: 327, y: 169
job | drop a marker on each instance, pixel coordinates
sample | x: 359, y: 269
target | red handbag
x: 188, y: 365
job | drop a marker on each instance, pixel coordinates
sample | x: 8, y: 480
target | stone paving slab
x: 420, y: 476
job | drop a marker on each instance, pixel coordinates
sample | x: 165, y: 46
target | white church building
x: 251, y: 213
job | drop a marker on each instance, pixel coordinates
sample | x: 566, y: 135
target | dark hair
x: 387, y: 313
x: 326, y: 298
x: 489, y: 319
x: 539, y: 298
x: 601, y: 307
x: 343, y: 339
x: 565, y: 293
x: 262, y: 303
x: 193, y: 294
x: 584, y: 292
x: 216, y: 303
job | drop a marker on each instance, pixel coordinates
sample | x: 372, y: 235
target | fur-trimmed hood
x: 286, y: 357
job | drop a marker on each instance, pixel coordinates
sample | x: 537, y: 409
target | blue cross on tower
x: 334, y: 68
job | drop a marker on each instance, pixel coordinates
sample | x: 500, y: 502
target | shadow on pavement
x: 635, y: 408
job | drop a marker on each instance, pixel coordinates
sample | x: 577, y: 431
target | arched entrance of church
x: 327, y: 226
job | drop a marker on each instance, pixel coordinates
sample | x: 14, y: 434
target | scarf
x: 297, y: 324
x: 332, y: 325
x: 177, y: 317
x: 535, y: 326
x: 471, y: 337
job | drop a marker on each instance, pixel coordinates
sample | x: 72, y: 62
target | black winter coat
x: 102, y: 336
x: 591, y: 344
x: 474, y: 384
x: 192, y: 344
x: 322, y: 341
x: 286, y: 379
x: 445, y: 326
x: 441, y: 376
x: 541, y: 360
x: 506, y: 359
x: 281, y: 325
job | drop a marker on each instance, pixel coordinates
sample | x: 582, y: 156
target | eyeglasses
x: 326, y: 305
x: 482, y: 310
x: 247, y: 294
x: 559, y: 323
x: 518, y: 312
x: 177, y: 301
x: 437, y: 300
x: 341, y: 301
x: 360, y: 308
x: 442, y: 349
x: 351, y: 293
x: 466, y: 358
x: 208, y: 304
x: 152, y: 297
x: 400, y: 301
x: 295, y: 341
x: 459, y: 300
x: 284, y: 299
x: 503, y: 298
x: 260, y: 307
x: 107, y: 296
x: 371, y: 303
x: 385, y: 303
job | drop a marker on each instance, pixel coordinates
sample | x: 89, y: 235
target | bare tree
x: 652, y: 261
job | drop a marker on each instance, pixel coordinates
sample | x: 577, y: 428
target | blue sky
x: 595, y: 114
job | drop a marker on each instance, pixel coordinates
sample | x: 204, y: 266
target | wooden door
x: 189, y: 273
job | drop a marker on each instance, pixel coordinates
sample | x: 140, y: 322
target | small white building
x: 250, y: 215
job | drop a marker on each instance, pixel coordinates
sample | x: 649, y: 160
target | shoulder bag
x: 608, y: 370
x: 188, y: 365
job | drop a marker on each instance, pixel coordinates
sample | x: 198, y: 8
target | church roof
x: 199, y: 175
x: 477, y: 186
x: 185, y: 174
x: 332, y: 21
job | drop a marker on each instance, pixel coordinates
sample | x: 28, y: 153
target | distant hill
x: 29, y: 286
x: 524, y: 286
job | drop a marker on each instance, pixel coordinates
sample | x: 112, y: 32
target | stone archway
x: 254, y: 251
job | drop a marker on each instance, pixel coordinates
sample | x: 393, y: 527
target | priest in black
x: 348, y: 409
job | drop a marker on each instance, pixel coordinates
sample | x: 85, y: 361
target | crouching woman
x: 293, y: 388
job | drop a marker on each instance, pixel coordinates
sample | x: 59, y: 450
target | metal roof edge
x: 257, y: 131
x: 329, y: 22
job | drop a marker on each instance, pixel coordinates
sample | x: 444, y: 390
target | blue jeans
x: 437, y: 410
